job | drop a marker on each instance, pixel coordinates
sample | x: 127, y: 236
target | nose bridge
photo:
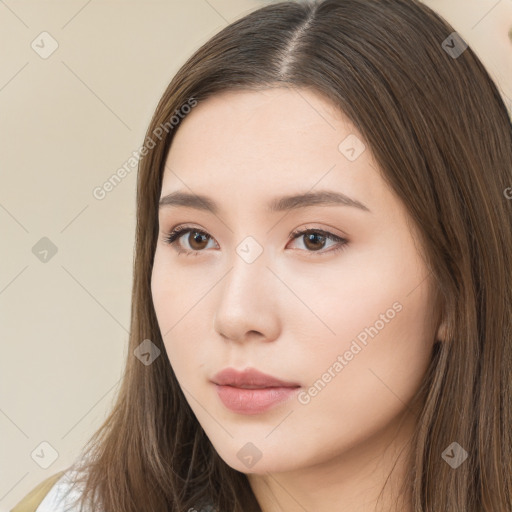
x: 245, y: 300
x: 249, y: 268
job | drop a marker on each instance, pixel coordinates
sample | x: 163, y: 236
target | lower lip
x: 253, y: 401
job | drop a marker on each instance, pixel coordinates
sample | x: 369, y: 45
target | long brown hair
x: 442, y: 136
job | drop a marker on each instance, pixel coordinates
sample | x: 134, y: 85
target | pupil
x: 313, y: 237
x: 197, y: 237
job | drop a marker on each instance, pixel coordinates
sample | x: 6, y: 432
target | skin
x: 293, y: 311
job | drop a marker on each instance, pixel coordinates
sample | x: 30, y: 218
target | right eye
x: 195, y: 242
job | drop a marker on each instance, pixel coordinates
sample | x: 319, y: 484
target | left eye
x: 314, y: 240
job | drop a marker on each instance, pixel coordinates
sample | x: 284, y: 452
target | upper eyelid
x: 185, y: 227
x: 180, y: 230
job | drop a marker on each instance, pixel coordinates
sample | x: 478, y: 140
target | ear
x: 441, y: 334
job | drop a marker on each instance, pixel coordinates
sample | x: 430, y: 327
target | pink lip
x: 250, y: 377
x: 267, y: 391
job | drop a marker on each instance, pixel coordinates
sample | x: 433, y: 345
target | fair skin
x: 293, y: 310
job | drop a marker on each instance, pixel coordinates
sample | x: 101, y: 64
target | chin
x: 263, y: 461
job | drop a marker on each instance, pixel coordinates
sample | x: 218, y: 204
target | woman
x: 322, y: 289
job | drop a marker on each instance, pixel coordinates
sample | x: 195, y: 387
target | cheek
x: 173, y: 289
x: 161, y: 286
x: 175, y: 299
x: 380, y: 312
x: 371, y: 284
x: 177, y: 291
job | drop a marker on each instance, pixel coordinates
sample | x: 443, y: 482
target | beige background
x: 67, y: 123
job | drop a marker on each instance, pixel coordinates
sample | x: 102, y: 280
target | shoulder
x: 57, y: 494
x: 51, y: 495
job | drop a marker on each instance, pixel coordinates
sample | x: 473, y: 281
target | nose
x: 248, y: 302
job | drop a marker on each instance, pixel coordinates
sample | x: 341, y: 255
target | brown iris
x: 197, y: 238
x: 313, y: 239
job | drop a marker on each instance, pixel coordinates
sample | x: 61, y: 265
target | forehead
x: 242, y: 145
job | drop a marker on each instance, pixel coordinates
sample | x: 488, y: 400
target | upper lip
x: 249, y: 378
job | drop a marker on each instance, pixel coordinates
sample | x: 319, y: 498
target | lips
x: 251, y: 391
x: 250, y: 378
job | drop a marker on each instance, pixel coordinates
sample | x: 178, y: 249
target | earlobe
x: 441, y: 332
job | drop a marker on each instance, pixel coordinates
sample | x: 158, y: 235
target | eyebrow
x: 279, y: 204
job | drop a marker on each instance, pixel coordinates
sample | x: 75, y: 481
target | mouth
x: 253, y: 400
x: 257, y: 387
x: 250, y: 378
x: 251, y: 391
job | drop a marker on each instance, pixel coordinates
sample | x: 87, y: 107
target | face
x: 330, y: 297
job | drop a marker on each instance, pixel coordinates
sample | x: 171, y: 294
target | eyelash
x: 172, y: 237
